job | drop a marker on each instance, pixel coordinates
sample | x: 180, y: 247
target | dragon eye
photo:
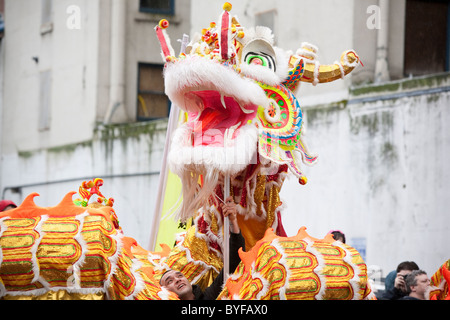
x: 259, y: 59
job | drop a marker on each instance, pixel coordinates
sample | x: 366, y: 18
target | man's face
x: 176, y: 282
x: 422, y: 284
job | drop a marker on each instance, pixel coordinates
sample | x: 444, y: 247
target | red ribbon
x: 224, y: 35
x: 162, y: 40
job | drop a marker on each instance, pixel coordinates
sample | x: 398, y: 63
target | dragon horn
x: 164, y: 40
x: 316, y: 73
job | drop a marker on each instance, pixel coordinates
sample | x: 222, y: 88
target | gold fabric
x: 267, y: 201
x: 298, y: 269
x: 327, y: 73
x: 80, y: 253
x: 58, y: 295
x: 200, y: 260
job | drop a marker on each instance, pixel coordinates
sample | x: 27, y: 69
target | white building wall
x: 71, y: 57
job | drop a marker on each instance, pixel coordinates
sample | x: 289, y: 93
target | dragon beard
x: 203, y: 168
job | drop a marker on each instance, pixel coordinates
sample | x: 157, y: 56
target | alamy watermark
x: 72, y: 282
x: 73, y: 21
x: 373, y: 21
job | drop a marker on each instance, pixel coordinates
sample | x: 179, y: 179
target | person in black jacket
x: 176, y: 282
x: 399, y: 289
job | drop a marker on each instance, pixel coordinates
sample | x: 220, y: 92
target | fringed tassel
x: 35, y: 263
x: 308, y: 158
x: 84, y: 248
x: 295, y: 168
x: 113, y: 261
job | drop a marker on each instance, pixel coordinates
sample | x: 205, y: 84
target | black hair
x: 337, y: 235
x: 407, y: 265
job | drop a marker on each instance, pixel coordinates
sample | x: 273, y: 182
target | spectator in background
x: 6, y: 205
x: 389, y: 281
x: 399, y: 290
x: 417, y: 285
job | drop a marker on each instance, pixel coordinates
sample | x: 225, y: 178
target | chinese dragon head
x: 243, y: 122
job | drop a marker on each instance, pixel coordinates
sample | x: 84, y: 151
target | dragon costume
x: 243, y: 125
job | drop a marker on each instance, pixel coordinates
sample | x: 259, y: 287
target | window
x: 152, y: 101
x: 426, y: 37
x: 157, y: 6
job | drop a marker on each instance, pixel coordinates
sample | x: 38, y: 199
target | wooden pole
x: 226, y: 232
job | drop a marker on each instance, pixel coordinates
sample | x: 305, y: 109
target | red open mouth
x: 215, y: 118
